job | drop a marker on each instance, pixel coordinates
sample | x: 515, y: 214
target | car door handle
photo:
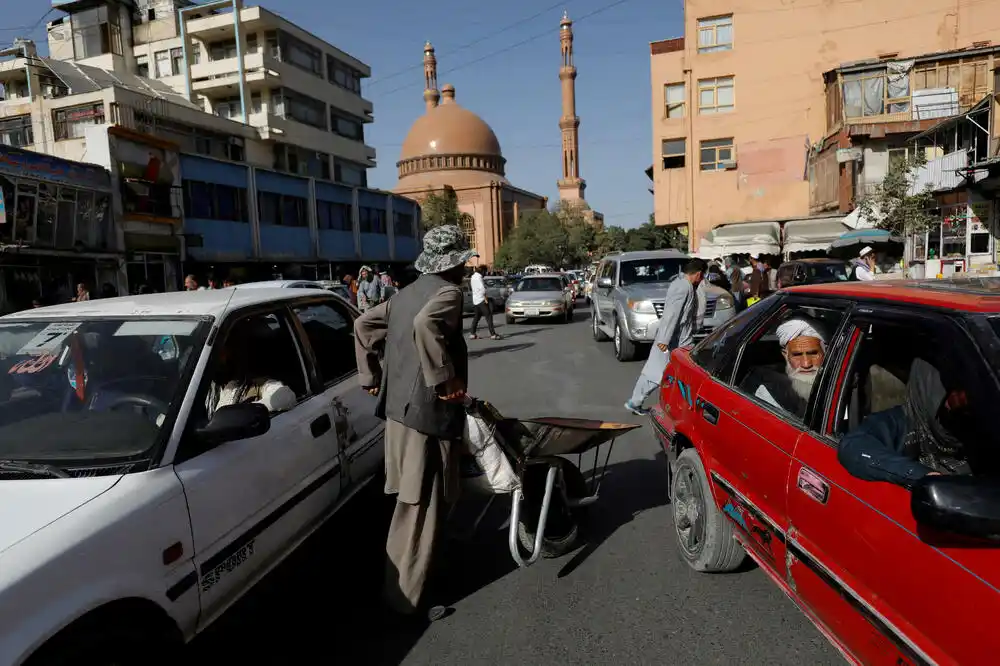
x: 321, y: 426
x: 709, y: 412
x: 813, y: 485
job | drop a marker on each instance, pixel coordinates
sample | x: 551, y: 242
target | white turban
x: 798, y: 328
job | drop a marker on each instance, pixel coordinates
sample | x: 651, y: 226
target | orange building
x: 739, y: 104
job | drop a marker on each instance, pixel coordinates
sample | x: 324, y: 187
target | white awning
x: 854, y: 219
x: 741, y: 238
x: 815, y: 234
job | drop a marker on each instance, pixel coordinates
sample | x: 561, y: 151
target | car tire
x: 117, y: 642
x: 563, y: 530
x: 705, y: 536
x: 599, y: 334
x: 510, y: 320
x: 624, y: 348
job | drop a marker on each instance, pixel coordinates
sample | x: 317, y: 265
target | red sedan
x: 844, y: 436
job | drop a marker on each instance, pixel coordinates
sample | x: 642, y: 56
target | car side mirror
x: 959, y: 505
x: 233, y: 422
x: 604, y: 283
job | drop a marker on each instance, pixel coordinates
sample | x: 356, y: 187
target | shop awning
x: 855, y: 220
x: 741, y: 238
x: 815, y: 234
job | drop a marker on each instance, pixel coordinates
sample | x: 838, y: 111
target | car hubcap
x: 689, y: 511
x: 618, y: 338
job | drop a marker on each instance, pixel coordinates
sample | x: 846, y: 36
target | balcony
x: 151, y: 202
x: 221, y: 25
x: 218, y: 74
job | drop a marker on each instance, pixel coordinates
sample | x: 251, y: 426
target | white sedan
x: 143, y: 490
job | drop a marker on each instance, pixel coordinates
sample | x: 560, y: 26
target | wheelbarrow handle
x: 515, y: 519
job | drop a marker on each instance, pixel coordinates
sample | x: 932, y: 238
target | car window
x: 641, y: 271
x: 712, y: 351
x: 828, y: 271
x: 539, y: 284
x: 330, y: 330
x: 780, y: 365
x: 891, y: 372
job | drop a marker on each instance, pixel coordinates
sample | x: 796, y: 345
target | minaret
x: 571, y: 186
x: 431, y: 94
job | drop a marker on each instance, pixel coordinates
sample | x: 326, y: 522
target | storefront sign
x: 27, y: 164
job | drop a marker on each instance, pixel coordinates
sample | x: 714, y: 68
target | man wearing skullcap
x: 803, y: 347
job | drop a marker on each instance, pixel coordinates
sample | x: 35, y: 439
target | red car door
x: 856, y: 557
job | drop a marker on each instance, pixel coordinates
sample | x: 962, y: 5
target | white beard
x: 802, y: 382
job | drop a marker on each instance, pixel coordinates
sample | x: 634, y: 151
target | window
x: 211, y: 201
x: 17, y: 131
x: 716, y: 95
x: 222, y: 50
x: 96, y: 32
x: 350, y: 173
x: 252, y: 46
x: 897, y: 157
x: 176, y: 61
x: 346, y: 127
x: 715, y: 34
x: 651, y: 270
x: 340, y: 74
x: 304, y: 56
x: 711, y: 352
x: 282, y: 210
x: 334, y: 216
x: 142, y: 66
x: 330, y: 329
x: 717, y: 155
x: 402, y: 224
x: 674, y: 100
x: 371, y: 220
x: 287, y: 103
x: 162, y: 60
x: 72, y: 122
x: 782, y: 377
x: 674, y: 153
x: 45, y: 223
x: 469, y: 229
x: 65, y: 216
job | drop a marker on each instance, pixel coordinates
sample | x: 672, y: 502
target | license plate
x: 531, y: 312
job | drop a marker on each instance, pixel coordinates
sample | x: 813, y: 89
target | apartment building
x: 740, y: 108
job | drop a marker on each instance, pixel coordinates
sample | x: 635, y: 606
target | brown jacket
x: 760, y: 284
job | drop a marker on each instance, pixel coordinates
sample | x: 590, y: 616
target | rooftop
x: 962, y: 294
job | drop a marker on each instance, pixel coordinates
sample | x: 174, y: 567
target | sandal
x: 495, y: 337
x: 473, y: 337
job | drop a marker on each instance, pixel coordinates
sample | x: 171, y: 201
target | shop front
x: 56, y: 230
x: 960, y: 240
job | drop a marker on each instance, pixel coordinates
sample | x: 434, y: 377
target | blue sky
x: 508, y: 76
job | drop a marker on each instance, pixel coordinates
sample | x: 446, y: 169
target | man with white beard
x: 804, y: 349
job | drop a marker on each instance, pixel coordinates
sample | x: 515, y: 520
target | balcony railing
x: 149, y: 199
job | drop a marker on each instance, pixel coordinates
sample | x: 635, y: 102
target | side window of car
x: 710, y: 352
x: 330, y: 329
x: 780, y: 365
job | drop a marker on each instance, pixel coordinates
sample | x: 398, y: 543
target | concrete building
x: 739, y: 105
x: 450, y: 147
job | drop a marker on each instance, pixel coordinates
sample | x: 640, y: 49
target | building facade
x: 740, y: 104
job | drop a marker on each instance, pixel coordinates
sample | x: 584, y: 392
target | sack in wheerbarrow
x: 486, y: 468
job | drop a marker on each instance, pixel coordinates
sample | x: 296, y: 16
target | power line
x: 469, y: 45
x: 30, y: 28
x: 493, y: 54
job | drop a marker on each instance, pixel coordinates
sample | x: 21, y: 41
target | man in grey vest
x: 412, y: 355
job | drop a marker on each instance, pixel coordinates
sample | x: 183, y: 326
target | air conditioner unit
x: 728, y: 165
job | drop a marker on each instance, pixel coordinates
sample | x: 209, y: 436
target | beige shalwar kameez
x: 421, y: 471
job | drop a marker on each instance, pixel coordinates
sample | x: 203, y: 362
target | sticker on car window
x: 50, y: 340
x: 32, y: 365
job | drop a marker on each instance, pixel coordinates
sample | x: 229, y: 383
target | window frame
x: 669, y: 106
x: 712, y: 24
x: 664, y: 155
x: 715, y: 84
x: 313, y: 370
x: 716, y: 145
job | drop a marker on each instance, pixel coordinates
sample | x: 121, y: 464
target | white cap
x: 755, y: 256
x: 865, y: 251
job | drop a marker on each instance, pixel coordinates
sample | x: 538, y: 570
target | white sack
x: 497, y: 474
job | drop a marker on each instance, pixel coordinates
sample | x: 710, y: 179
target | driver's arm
x: 874, y: 450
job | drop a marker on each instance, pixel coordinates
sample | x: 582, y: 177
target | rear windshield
x: 539, y: 284
x: 650, y: 270
x: 831, y: 271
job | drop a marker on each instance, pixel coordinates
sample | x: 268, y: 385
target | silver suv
x: 628, y: 293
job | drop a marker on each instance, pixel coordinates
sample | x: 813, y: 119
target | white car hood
x: 27, y: 506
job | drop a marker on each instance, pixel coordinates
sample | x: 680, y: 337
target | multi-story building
x: 213, y: 158
x: 740, y: 106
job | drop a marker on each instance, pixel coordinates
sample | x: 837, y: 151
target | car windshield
x: 828, y: 271
x: 494, y: 282
x: 650, y: 270
x: 79, y: 391
x: 539, y: 284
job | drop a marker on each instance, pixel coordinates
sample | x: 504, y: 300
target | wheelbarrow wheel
x: 563, y: 530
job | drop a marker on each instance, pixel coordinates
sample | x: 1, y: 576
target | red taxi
x: 895, y: 563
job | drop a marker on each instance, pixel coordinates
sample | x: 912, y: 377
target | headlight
x: 553, y: 304
x: 641, y: 307
x: 724, y: 302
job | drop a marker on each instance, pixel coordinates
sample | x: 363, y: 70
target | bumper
x: 521, y: 312
x: 639, y: 327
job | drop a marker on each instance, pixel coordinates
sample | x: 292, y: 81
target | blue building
x: 252, y: 223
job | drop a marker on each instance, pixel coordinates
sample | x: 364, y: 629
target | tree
x: 895, y: 205
x: 540, y: 237
x: 441, y: 208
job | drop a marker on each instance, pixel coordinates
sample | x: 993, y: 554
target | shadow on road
x: 525, y: 331
x: 500, y: 348
x: 628, y: 489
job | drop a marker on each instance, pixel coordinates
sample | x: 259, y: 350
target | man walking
x: 481, y: 305
x: 411, y: 353
x: 676, y: 328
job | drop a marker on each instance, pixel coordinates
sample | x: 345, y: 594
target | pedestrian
x: 676, y: 328
x: 866, y: 268
x: 369, y: 289
x: 481, y: 305
x: 191, y: 284
x: 760, y: 284
x: 411, y: 354
x: 82, y: 293
x: 352, y: 286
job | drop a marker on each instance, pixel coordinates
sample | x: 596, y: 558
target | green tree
x: 441, y: 208
x: 894, y: 205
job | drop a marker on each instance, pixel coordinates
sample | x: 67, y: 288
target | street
x: 626, y: 597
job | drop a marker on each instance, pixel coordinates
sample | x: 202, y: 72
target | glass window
x: 346, y: 127
x: 270, y: 207
x: 340, y: 74
x: 715, y: 34
x: 142, y: 66
x: 84, y: 217
x: 293, y: 211
x: 176, y: 61
x: 716, y: 95
x: 710, y: 352
x: 72, y: 122
x: 302, y: 55
x: 303, y: 109
x: 96, y: 32
x: 371, y: 220
x: 402, y: 224
x: 674, y: 100
x: 717, y: 155
x: 333, y: 216
x: 198, y: 200
x: 350, y: 173
x: 10, y: 206
x: 330, y: 330
x: 674, y: 153
x: 47, y: 210
x: 27, y: 209
x: 101, y: 221
x: 66, y: 213
x: 162, y: 60
x: 539, y: 284
x: 222, y: 50
x: 17, y: 131
x: 651, y: 270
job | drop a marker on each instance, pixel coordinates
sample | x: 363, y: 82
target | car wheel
x: 104, y: 645
x: 599, y: 334
x: 624, y: 348
x: 704, y: 534
x: 510, y: 320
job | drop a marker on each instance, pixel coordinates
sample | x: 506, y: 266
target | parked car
x: 545, y: 295
x: 627, y: 298
x: 134, y: 513
x: 280, y: 284
x: 812, y: 271
x: 336, y: 287
x: 769, y: 479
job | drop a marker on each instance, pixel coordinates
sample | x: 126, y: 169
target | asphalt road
x: 625, y: 598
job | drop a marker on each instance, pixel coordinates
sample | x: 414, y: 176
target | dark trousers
x: 484, y: 309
